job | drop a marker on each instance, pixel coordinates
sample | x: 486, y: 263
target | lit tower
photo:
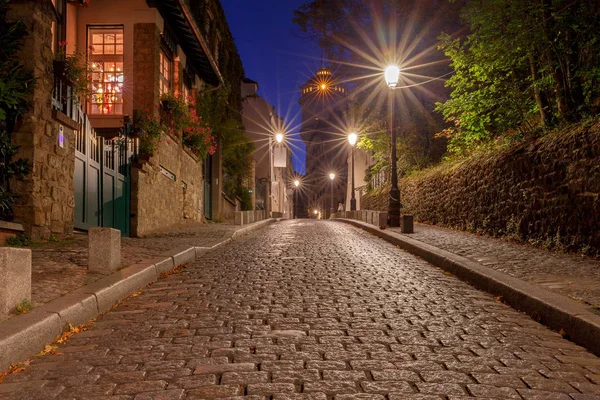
x: 324, y: 102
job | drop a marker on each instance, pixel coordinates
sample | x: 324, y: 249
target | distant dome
x: 322, y: 83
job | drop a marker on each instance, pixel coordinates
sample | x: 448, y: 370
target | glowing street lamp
x: 331, y: 210
x: 279, y: 137
x: 392, y: 73
x: 352, y: 138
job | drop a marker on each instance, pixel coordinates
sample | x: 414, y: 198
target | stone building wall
x: 168, y: 189
x: 46, y: 203
x: 546, y: 191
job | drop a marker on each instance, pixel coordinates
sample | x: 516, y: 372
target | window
x: 106, y: 48
x: 166, y: 67
x: 59, y: 32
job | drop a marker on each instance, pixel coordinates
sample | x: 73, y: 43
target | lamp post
x: 352, y: 138
x: 279, y: 136
x: 392, y: 73
x: 331, y: 210
x: 296, y: 184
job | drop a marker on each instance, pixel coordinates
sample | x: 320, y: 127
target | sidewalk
x: 571, y: 275
x: 562, y: 291
x: 64, y: 291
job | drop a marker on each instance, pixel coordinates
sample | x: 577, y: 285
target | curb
x: 580, y: 323
x: 22, y: 336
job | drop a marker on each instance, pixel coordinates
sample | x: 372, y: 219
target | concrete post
x: 383, y: 217
x: 406, y: 225
x: 104, y: 249
x: 237, y: 218
x: 15, y: 278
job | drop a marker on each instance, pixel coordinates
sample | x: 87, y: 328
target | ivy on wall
x: 15, y: 87
x: 222, y: 108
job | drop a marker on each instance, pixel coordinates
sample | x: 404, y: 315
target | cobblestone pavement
x: 61, y: 267
x: 568, y: 274
x: 306, y: 310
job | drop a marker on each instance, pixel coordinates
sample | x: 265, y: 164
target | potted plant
x: 74, y: 69
x: 150, y: 129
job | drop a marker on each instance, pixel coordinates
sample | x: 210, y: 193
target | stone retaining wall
x: 546, y: 191
x: 168, y: 189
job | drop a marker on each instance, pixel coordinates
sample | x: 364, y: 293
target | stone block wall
x: 167, y: 189
x: 546, y: 191
x: 46, y: 204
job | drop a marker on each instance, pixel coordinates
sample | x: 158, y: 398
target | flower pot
x: 61, y: 68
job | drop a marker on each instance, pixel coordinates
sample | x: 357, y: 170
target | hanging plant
x: 150, y: 128
x: 75, y: 69
x: 198, y: 136
x: 175, y: 112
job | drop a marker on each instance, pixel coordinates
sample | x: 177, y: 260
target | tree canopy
x: 525, y: 65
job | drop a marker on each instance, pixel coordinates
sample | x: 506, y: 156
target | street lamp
x: 275, y: 140
x: 296, y: 184
x: 352, y: 138
x: 331, y: 210
x: 392, y: 73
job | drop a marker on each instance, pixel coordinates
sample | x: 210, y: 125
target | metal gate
x: 101, y: 179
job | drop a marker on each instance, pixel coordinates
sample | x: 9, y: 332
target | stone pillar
x: 238, y: 218
x: 406, y: 223
x: 383, y: 217
x: 104, y: 249
x: 15, y: 278
x: 45, y: 205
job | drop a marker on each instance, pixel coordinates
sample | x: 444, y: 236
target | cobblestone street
x: 307, y: 309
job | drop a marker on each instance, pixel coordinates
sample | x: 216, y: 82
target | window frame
x: 117, y: 103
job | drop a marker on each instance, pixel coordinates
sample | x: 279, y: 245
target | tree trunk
x: 540, y: 99
x: 553, y: 62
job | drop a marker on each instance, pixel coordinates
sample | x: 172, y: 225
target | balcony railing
x: 65, y: 100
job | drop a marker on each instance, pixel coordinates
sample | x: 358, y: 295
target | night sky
x: 274, y: 57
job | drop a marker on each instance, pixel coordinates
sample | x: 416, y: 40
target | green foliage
x: 221, y: 109
x: 75, y: 68
x: 24, y: 306
x: 524, y: 66
x: 15, y: 87
x: 18, y: 241
x: 150, y: 130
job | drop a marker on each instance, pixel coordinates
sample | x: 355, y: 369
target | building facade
x: 324, y: 106
x: 86, y: 167
x: 273, y: 172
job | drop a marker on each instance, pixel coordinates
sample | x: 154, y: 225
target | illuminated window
x: 165, y: 74
x: 106, y: 47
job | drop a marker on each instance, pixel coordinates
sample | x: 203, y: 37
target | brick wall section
x: 547, y: 190
x: 46, y: 203
x: 146, y: 66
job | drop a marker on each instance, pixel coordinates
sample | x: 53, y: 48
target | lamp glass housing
x: 352, y: 138
x: 392, y: 73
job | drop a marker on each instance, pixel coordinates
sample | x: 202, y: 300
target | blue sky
x: 274, y: 57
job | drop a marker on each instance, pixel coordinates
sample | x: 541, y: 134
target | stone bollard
x: 104, y: 249
x: 406, y: 223
x: 383, y: 218
x: 237, y: 218
x: 15, y: 278
x: 376, y: 218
